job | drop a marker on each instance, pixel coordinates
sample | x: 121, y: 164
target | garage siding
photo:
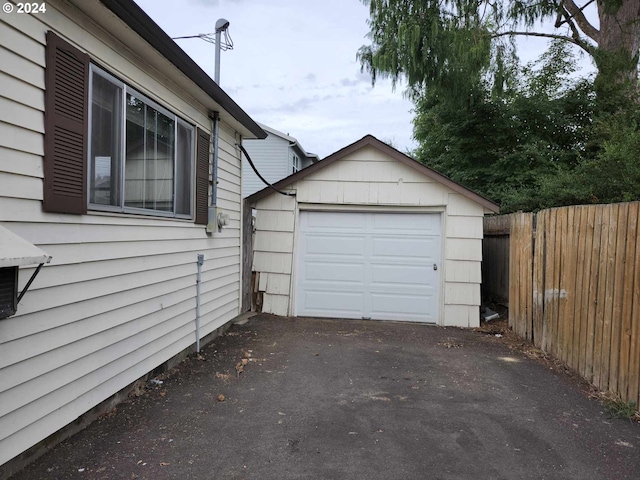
x: 273, y: 251
x: 368, y: 178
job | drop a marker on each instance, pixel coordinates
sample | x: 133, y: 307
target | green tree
x: 510, y: 147
x: 454, y: 44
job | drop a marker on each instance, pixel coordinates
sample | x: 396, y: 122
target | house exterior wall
x: 270, y: 156
x: 118, y: 298
x: 369, y: 179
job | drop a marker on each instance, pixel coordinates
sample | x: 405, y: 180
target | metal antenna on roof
x: 222, y: 44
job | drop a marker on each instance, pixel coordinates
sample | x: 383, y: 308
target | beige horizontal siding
x: 276, y: 304
x: 118, y: 298
x: 20, y: 139
x: 461, y: 293
x: 458, y: 204
x: 20, y: 163
x: 462, y: 315
x: 274, y: 220
x: 464, y: 227
x: 461, y: 271
x: 360, y: 171
x: 40, y: 349
x: 19, y: 67
x: 22, y: 45
x: 21, y: 115
x: 19, y: 209
x: 88, y: 392
x: 272, y: 262
x: 345, y: 192
x: 21, y: 92
x: 20, y: 186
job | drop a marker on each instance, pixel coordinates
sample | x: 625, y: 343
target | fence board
x: 567, y: 287
x: 634, y: 349
x: 513, y: 275
x: 605, y: 351
x: 521, y: 270
x: 593, y: 293
x: 627, y: 301
x: 586, y: 249
x: 574, y: 289
x: 538, y: 280
x: 527, y: 261
x: 580, y: 222
x: 573, y: 325
x: 554, y: 291
x: 618, y: 294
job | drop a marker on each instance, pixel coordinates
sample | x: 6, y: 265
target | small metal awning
x: 17, y: 252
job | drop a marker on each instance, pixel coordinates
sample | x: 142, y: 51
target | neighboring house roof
x: 136, y: 19
x: 370, y: 140
x: 293, y: 141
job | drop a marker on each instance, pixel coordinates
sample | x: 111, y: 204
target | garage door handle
x: 435, y: 267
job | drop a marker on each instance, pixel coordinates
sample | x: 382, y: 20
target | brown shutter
x: 66, y: 120
x: 202, y: 177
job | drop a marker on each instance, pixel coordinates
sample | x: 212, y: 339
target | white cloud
x: 294, y: 67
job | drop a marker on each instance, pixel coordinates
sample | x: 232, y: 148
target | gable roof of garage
x: 370, y: 140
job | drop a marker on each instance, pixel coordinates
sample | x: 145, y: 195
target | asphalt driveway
x: 342, y: 399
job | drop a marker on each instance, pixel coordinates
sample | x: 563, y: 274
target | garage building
x: 369, y: 233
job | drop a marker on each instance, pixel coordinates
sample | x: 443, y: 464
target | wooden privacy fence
x: 574, y: 290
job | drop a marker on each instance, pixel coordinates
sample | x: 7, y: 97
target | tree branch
x: 536, y: 34
x: 576, y: 13
x: 575, y: 38
x: 576, y: 34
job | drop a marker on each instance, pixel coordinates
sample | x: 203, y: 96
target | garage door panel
x: 368, y: 265
x: 400, y: 275
x: 405, y: 305
x: 334, y: 272
x: 344, y: 245
x: 329, y: 222
x: 401, y: 247
x: 347, y: 304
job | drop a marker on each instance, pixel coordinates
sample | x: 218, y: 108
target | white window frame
x: 121, y: 208
x: 294, y: 165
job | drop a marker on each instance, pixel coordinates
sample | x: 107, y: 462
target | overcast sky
x: 294, y: 67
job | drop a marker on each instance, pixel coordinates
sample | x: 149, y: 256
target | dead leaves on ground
x: 450, y: 343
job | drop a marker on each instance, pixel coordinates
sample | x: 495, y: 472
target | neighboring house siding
x: 270, y: 156
x: 368, y: 177
x: 118, y: 298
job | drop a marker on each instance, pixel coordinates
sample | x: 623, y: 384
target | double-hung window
x: 140, y: 154
x: 294, y: 163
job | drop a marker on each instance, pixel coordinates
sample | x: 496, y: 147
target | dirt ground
x: 281, y: 398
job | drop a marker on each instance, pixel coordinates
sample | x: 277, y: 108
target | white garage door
x: 368, y: 265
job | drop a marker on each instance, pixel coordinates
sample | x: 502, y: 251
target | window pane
x: 184, y: 170
x: 150, y: 157
x: 135, y: 152
x: 104, y: 156
x: 163, y: 159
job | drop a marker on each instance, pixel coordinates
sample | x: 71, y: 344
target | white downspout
x: 198, y: 282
